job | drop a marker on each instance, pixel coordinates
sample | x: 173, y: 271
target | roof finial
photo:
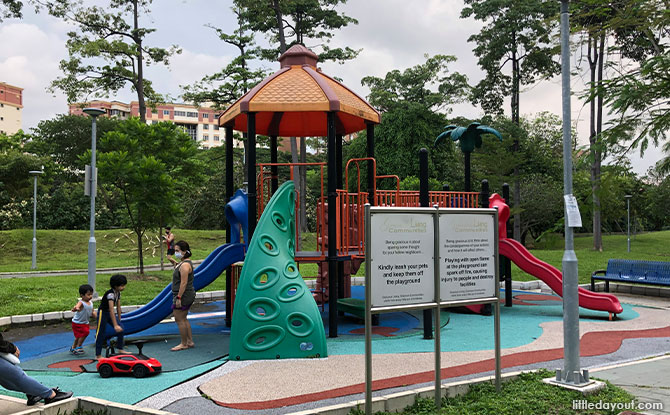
x: 298, y: 55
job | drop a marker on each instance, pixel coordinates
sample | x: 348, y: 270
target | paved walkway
x: 32, y: 274
x: 647, y: 379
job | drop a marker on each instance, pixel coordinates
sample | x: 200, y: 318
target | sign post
x: 429, y: 258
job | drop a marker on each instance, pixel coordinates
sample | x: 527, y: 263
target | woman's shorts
x: 80, y: 330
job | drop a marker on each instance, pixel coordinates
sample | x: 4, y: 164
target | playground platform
x: 403, y: 361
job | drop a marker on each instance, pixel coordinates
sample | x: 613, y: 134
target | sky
x: 393, y: 34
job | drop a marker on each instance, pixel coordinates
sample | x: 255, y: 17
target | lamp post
x: 92, y: 187
x: 35, y: 173
x: 628, y: 208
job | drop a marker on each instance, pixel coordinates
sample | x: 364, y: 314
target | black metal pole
x: 506, y: 261
x: 273, y: 159
x: 332, y: 227
x: 424, y: 201
x: 229, y: 195
x: 340, y: 264
x: 468, y: 188
x: 251, y: 171
x: 371, y: 171
x: 445, y: 188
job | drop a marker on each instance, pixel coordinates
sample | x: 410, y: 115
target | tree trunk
x: 598, y: 154
x: 468, y: 187
x: 280, y: 26
x: 160, y: 241
x: 140, y: 70
x: 516, y: 193
x: 594, y: 59
x: 139, y: 250
x: 303, y: 186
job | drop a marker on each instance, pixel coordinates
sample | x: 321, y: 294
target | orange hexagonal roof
x: 293, y: 101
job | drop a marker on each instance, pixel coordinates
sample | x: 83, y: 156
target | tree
x: 414, y: 103
x: 226, y: 86
x: 10, y: 8
x: 150, y: 165
x: 518, y: 32
x: 66, y: 139
x: 289, y: 22
x: 112, y: 39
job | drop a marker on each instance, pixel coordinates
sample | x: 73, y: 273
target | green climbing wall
x: 275, y: 315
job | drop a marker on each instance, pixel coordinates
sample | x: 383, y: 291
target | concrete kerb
x: 397, y: 402
x: 84, y: 403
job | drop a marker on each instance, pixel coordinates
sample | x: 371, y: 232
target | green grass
x: 648, y: 246
x: 525, y: 395
x: 67, y: 250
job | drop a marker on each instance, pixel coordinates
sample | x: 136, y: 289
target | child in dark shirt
x: 110, y: 302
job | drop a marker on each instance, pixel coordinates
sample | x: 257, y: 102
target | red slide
x: 518, y: 254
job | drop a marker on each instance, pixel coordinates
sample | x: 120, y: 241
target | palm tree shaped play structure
x: 468, y: 137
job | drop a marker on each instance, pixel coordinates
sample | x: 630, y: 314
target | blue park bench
x: 632, y: 271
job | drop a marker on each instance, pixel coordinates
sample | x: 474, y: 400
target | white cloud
x: 29, y: 59
x: 394, y: 34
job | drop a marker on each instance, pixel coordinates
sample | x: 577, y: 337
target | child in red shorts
x: 81, y: 320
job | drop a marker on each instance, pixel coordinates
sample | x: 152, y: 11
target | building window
x: 205, y: 137
x: 192, y: 114
x: 2, y: 118
x: 154, y: 122
x: 205, y: 126
x: 2, y: 105
x: 166, y: 112
x: 216, y: 127
x: 205, y: 116
x: 154, y: 111
x: 216, y: 138
x: 180, y: 113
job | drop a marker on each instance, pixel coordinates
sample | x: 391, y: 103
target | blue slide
x: 161, y: 306
x: 203, y: 275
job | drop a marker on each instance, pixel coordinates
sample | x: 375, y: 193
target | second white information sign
x: 467, y: 256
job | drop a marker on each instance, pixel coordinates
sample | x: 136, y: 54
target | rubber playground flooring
x: 531, y: 332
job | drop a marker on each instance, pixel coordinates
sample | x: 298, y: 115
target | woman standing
x: 183, y: 294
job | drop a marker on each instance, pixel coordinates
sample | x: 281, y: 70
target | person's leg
x: 100, y: 339
x: 189, y: 334
x: 14, y: 378
x: 180, y: 318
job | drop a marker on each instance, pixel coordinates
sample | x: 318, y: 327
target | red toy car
x: 137, y: 364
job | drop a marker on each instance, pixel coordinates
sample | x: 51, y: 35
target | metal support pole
x: 424, y: 201
x: 251, y: 171
x: 94, y: 113
x: 370, y: 133
x: 229, y: 195
x: 332, y: 227
x: 35, y: 173
x: 571, y: 372
x: 628, y: 222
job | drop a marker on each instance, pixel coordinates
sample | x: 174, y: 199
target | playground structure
x: 331, y: 110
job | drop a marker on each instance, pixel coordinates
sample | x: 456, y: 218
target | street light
x: 628, y: 208
x: 92, y: 188
x: 35, y: 173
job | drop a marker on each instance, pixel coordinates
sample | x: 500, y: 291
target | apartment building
x: 11, y: 105
x: 199, y: 123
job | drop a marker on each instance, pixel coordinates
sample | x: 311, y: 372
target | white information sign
x: 402, y: 264
x: 467, y: 256
x: 572, y: 209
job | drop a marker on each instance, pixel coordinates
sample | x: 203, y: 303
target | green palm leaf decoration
x: 275, y: 314
x: 468, y: 138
